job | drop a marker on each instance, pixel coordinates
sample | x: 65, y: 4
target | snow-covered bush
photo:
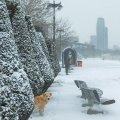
x: 40, y: 56
x: 43, y: 45
x: 53, y: 56
x: 25, y: 50
x: 16, y: 97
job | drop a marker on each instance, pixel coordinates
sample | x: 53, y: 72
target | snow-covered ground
x: 66, y: 102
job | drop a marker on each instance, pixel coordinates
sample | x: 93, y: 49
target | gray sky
x: 83, y: 14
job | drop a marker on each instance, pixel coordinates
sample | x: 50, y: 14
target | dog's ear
x: 50, y: 94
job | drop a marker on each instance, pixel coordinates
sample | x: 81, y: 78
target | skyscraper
x: 102, y: 35
x: 106, y: 39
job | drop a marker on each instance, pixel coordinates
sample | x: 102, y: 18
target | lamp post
x: 54, y: 6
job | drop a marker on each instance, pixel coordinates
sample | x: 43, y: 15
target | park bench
x: 93, y: 98
x: 81, y: 84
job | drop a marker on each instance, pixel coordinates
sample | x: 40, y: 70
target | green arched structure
x: 65, y: 54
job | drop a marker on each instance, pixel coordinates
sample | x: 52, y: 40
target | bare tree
x: 65, y: 36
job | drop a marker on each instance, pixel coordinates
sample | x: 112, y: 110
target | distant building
x: 101, y: 35
x: 93, y: 40
x: 106, y: 38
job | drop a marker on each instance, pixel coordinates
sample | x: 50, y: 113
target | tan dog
x: 41, y: 101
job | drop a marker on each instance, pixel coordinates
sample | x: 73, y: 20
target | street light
x: 54, y: 6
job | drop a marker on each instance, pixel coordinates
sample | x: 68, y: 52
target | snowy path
x: 66, y: 101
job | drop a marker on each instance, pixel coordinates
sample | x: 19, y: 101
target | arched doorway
x: 69, y: 51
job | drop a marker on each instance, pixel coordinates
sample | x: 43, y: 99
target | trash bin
x: 79, y: 63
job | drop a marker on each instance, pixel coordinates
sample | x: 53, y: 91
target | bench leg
x: 86, y: 105
x: 89, y: 103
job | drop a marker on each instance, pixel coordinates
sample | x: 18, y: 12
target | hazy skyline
x: 83, y: 14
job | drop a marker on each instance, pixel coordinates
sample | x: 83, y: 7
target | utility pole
x: 54, y: 6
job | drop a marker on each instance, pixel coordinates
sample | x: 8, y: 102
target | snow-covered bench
x: 94, y: 99
x: 82, y: 84
x: 93, y: 96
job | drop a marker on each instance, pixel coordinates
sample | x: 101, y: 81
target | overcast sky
x: 83, y: 14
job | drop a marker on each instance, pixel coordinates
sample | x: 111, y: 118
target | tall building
x: 102, y: 35
x: 106, y: 38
